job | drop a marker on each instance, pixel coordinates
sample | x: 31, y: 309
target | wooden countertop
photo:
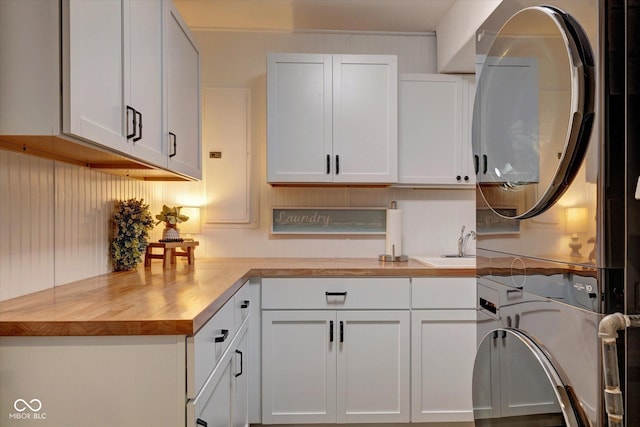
x: 178, y: 301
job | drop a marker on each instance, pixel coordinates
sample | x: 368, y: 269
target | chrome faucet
x: 463, y: 240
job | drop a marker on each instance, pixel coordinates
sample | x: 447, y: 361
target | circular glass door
x: 533, y: 111
x: 514, y: 383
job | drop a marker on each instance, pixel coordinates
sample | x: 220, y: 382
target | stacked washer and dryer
x: 558, y: 226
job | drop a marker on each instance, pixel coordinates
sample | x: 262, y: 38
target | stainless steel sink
x: 447, y: 261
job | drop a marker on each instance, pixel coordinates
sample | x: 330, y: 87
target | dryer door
x: 514, y: 383
x: 533, y: 111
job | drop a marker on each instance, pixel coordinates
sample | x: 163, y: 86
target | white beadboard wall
x: 56, y: 221
x: 55, y: 217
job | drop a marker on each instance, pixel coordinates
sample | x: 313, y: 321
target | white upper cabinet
x: 94, y: 76
x: 365, y: 118
x: 299, y: 118
x: 332, y: 118
x: 182, y: 66
x: 93, y: 82
x: 435, y: 130
x: 143, y: 88
x: 113, y: 76
x: 508, y: 133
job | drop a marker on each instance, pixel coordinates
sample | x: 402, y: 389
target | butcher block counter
x: 179, y: 301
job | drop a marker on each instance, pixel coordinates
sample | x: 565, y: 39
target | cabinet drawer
x: 206, y: 347
x: 443, y: 292
x: 335, y: 293
x: 241, y: 303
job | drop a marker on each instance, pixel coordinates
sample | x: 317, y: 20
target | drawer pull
x: 224, y: 336
x: 341, y: 331
x: 241, y: 363
x: 245, y: 304
x: 330, y: 330
x: 336, y: 294
x: 201, y: 422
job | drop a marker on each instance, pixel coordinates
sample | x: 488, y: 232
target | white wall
x: 456, y: 34
x: 54, y: 217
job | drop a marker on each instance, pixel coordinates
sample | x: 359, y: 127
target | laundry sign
x: 328, y: 221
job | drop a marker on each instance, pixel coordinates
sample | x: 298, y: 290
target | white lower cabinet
x: 443, y: 351
x: 240, y: 402
x: 330, y: 365
x: 298, y: 367
x: 101, y: 381
x: 443, y: 348
x: 223, y: 399
x: 373, y: 366
x: 219, y: 364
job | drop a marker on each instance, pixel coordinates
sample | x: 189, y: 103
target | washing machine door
x: 533, y: 111
x: 514, y: 383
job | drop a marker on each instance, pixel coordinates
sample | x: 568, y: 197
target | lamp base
x: 575, y: 246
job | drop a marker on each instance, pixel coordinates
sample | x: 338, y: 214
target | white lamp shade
x: 577, y: 220
x: 192, y: 226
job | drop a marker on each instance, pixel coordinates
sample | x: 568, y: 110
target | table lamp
x: 576, y: 224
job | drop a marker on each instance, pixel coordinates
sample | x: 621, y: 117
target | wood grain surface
x: 157, y: 301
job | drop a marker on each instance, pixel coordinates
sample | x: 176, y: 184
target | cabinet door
x: 430, y: 130
x: 143, y: 74
x: 299, y: 118
x: 93, y: 72
x: 443, y: 351
x: 467, y: 167
x: 241, y: 387
x: 298, y: 367
x: 373, y: 366
x: 507, y: 130
x: 213, y: 407
x: 523, y: 389
x: 182, y: 66
x: 365, y: 118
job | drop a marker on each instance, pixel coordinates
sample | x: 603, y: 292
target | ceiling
x: 315, y: 15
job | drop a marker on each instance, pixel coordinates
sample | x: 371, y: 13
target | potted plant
x: 171, y: 218
x: 131, y: 221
